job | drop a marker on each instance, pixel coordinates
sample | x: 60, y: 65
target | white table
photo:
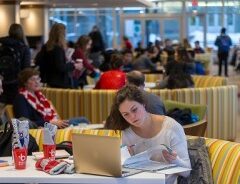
x: 31, y: 175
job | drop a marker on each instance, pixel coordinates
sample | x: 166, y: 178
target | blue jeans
x: 76, y: 121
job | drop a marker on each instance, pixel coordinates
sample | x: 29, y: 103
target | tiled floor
x: 234, y: 78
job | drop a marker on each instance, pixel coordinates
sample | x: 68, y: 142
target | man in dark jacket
x: 17, y: 41
x: 223, y: 42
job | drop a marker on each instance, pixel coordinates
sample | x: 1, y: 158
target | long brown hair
x: 82, y: 42
x: 115, y: 121
x: 56, y: 36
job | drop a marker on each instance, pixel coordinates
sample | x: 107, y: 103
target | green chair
x: 197, y: 128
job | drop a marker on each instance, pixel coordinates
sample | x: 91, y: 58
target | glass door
x: 171, y: 29
x: 147, y: 28
x: 152, y: 32
x: 196, y: 26
x: 133, y: 30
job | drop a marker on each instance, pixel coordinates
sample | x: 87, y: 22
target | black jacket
x: 22, y: 108
x: 24, y: 50
x: 58, y: 70
x: 10, y: 90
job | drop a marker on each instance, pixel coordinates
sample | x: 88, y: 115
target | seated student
x: 30, y: 103
x: 154, y: 103
x: 143, y: 62
x: 114, y: 78
x: 198, y: 49
x: 147, y: 131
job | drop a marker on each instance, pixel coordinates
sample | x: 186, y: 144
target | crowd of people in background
x: 64, y: 64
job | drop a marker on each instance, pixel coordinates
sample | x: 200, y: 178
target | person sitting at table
x: 30, y: 103
x: 114, y: 78
x: 154, y: 103
x: 148, y: 131
x: 198, y: 49
x: 144, y: 63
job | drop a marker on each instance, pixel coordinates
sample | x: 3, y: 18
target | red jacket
x: 78, y: 54
x: 113, y: 79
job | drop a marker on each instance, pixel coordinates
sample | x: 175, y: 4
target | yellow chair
x: 8, y: 110
x: 197, y: 128
x: 9, y: 113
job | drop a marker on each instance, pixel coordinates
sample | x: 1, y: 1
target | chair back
x: 197, y: 109
x: 196, y: 128
x: 9, y: 112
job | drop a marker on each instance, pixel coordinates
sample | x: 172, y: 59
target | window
x: 210, y: 19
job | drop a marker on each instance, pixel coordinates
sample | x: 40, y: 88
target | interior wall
x: 32, y: 20
x: 8, y: 16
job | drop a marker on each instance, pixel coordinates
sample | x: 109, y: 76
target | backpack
x: 6, y: 142
x: 10, y: 63
x: 224, y: 43
x: 182, y: 116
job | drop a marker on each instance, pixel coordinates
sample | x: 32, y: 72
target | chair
x: 9, y: 113
x: 197, y: 128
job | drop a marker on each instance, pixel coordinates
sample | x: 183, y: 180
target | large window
x: 81, y: 21
x: 202, y: 22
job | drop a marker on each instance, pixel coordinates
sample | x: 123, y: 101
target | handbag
x: 6, y: 140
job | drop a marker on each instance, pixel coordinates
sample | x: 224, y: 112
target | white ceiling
x: 89, y: 3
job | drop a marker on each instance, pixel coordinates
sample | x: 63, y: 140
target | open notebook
x: 142, y: 161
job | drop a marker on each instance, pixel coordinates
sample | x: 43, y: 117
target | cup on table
x: 20, y: 158
x: 49, y: 151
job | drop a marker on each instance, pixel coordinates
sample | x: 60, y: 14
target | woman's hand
x: 60, y: 123
x: 169, y: 157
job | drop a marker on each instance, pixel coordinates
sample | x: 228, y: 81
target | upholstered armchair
x: 197, y: 128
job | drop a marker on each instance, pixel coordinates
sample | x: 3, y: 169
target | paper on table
x: 140, y: 157
x: 142, y: 161
x: 174, y: 170
x: 124, y: 154
x: 59, y: 154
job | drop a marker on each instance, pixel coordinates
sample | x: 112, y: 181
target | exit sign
x: 194, y: 2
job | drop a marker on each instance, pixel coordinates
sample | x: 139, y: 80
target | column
x: 34, y: 19
x: 9, y: 14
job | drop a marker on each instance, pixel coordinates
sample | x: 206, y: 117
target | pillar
x: 9, y: 14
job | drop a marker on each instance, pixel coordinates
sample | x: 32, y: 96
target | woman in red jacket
x: 83, y: 46
x: 114, y: 78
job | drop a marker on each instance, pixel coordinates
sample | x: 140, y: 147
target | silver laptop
x: 99, y: 155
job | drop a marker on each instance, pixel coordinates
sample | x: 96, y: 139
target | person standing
x: 97, y: 47
x: 52, y: 61
x: 223, y: 42
x: 17, y: 42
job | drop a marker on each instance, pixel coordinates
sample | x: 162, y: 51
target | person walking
x: 223, y: 42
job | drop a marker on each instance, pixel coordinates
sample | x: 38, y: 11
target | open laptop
x: 99, y: 155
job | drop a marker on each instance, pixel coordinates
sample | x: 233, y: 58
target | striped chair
x: 225, y: 160
x: 200, y: 81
